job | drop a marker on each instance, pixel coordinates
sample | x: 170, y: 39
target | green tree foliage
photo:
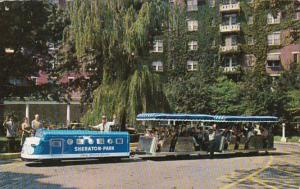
x: 22, y: 30
x: 189, y: 94
x: 142, y: 93
x: 226, y: 97
x: 262, y: 95
x: 118, y: 33
x: 27, y: 28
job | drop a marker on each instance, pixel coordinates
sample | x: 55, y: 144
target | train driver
x: 104, y: 125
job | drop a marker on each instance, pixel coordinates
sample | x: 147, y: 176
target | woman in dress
x: 26, y: 130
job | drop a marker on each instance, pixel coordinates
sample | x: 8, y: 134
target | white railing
x: 224, y: 49
x: 231, y: 69
x: 230, y: 7
x: 230, y: 28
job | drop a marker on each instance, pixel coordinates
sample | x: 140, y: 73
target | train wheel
x: 115, y: 159
x: 51, y: 161
x: 211, y: 154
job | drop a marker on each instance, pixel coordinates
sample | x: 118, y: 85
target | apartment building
x: 234, y: 54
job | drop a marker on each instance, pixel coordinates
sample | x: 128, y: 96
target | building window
x: 56, y: 143
x: 250, y: 40
x: 250, y: 60
x: 230, y: 62
x: 296, y: 57
x: 71, y: 79
x: 34, y: 80
x: 274, y: 20
x: 296, y: 15
x: 273, y: 60
x: 213, y: 43
x: 119, y: 141
x: 231, y: 40
x: 273, y: 64
x: 250, y: 20
x: 212, y: 3
x: 157, y: 66
x: 193, y: 45
x: 158, y: 46
x: 274, y: 38
x: 100, y: 140
x: 9, y: 50
x: 213, y: 22
x: 228, y: 2
x: 192, y: 5
x: 192, y: 65
x: 80, y: 141
x: 230, y: 19
x: 192, y: 25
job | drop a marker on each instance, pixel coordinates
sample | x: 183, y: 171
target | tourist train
x: 74, y: 144
x: 181, y: 134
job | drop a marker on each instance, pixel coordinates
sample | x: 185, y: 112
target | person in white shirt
x: 104, y: 125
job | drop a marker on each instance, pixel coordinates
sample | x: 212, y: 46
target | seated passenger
x: 195, y: 136
x: 174, y: 137
x: 265, y: 134
x: 249, y: 135
x: 205, y: 139
x: 227, y: 136
x: 148, y: 133
x: 237, y: 133
x: 257, y: 130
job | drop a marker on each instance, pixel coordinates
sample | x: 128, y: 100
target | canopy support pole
x: 68, y: 114
x: 27, y: 111
x: 283, y: 138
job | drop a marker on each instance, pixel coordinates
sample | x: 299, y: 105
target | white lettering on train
x: 93, y: 148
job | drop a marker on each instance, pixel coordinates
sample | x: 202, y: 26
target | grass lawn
x: 3, y: 139
x: 289, y: 139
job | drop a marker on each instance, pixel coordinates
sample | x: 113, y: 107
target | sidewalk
x: 4, y: 156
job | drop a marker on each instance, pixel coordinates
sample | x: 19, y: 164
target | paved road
x: 280, y: 169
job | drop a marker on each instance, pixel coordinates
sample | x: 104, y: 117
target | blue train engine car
x: 75, y: 144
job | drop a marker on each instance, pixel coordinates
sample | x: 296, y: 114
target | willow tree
x: 118, y: 34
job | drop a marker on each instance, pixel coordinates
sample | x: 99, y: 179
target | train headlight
x: 30, y: 150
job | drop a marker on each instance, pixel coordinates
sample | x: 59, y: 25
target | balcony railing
x: 230, y: 28
x: 227, y: 49
x: 230, y: 7
x: 231, y: 69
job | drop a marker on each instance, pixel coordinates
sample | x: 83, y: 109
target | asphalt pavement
x: 279, y: 169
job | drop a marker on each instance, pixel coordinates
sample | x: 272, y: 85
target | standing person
x: 104, y: 125
x: 36, y: 124
x: 212, y: 141
x: 10, y: 127
x: 26, y: 130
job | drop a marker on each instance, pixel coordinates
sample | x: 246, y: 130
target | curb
x: 5, y: 156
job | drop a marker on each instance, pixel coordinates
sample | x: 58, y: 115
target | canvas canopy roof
x: 203, y: 118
